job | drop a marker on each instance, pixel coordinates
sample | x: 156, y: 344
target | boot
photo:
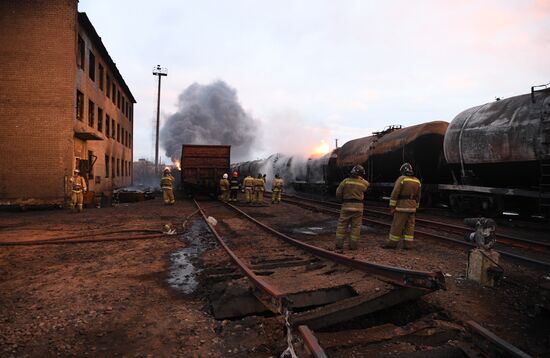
x: 353, y: 244
x: 79, y: 208
x: 390, y: 245
x: 408, y: 245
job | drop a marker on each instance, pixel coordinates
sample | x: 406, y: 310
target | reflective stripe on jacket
x: 277, y: 184
x: 166, y: 181
x: 405, y: 196
x: 224, y: 184
x: 351, y: 193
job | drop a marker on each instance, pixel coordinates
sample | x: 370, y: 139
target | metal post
x: 158, y: 71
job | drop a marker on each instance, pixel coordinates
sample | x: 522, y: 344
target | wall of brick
x: 38, y: 103
x: 109, y: 145
x: 36, y: 97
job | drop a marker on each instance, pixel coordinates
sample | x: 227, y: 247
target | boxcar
x: 202, y: 166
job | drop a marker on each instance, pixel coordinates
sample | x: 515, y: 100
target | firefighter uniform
x: 405, y: 199
x: 351, y: 193
x: 166, y: 187
x: 224, y: 188
x: 78, y: 187
x: 248, y: 184
x: 259, y: 188
x: 234, y: 187
x: 277, y: 190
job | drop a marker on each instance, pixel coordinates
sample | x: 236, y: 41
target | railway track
x: 287, y: 290
x: 520, y: 249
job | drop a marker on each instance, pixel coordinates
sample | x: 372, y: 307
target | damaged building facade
x: 64, y: 106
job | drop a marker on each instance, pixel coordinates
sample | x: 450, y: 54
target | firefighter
x: 234, y: 186
x: 405, y: 199
x: 78, y: 188
x: 259, y: 188
x: 166, y: 187
x: 277, y: 189
x: 224, y: 187
x: 351, y: 192
x: 248, y: 188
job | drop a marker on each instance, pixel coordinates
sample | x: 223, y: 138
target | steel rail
x: 498, y: 346
x: 256, y: 280
x: 311, y: 342
x: 395, y: 275
x: 507, y: 239
x: 426, y: 234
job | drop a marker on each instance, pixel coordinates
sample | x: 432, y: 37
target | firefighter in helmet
x: 166, y: 182
x: 351, y: 192
x: 78, y: 188
x: 276, y: 189
x: 234, y: 187
x: 259, y: 188
x: 224, y: 188
x: 405, y: 199
x: 248, y: 188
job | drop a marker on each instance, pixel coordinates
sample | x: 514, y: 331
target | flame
x: 177, y: 164
x: 321, y: 149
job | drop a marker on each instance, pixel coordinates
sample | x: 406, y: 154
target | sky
x: 316, y: 70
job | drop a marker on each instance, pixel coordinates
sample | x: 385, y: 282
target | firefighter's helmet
x: 235, y: 174
x: 406, y: 169
x: 225, y: 176
x: 76, y: 171
x: 277, y: 175
x: 357, y: 170
x: 167, y: 170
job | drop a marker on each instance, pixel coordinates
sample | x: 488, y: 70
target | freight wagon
x: 489, y: 159
x: 202, y: 166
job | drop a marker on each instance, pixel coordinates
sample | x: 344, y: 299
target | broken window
x: 113, y: 167
x: 91, y: 64
x: 131, y: 116
x: 112, y: 128
x: 106, y: 166
x: 79, y: 105
x: 113, y: 92
x: 108, y: 87
x: 101, y: 75
x: 107, y: 126
x: 118, y: 132
x: 99, y: 119
x: 91, y: 110
x: 118, y: 167
x: 80, y: 57
x: 118, y: 99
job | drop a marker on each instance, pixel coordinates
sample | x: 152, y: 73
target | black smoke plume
x: 209, y: 114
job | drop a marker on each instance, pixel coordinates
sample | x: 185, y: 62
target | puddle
x: 184, y: 262
x: 329, y: 227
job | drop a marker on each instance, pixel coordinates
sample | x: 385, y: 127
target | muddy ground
x: 140, y: 298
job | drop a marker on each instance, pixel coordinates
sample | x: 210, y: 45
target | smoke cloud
x: 209, y: 114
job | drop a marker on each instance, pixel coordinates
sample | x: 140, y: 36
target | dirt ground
x: 133, y: 298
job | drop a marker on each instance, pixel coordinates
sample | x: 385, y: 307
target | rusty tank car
x: 383, y: 153
x: 499, y: 155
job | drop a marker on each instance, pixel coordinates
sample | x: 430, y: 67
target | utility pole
x: 158, y: 71
x: 336, y: 140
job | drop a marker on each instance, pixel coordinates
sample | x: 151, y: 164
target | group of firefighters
x: 404, y: 200
x: 253, y: 188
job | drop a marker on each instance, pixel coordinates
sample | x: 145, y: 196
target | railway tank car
x: 499, y: 155
x: 383, y: 153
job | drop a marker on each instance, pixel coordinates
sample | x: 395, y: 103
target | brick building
x: 63, y: 105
